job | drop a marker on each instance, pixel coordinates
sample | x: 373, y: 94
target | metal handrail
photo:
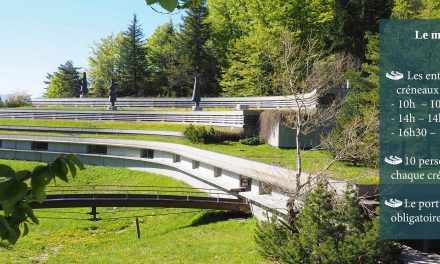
x: 127, y: 190
x: 128, y: 186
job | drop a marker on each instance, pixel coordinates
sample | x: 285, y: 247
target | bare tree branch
x: 301, y: 67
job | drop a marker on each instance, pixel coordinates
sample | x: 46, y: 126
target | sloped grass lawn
x: 155, y: 126
x: 94, y: 124
x: 89, y: 108
x: 167, y: 235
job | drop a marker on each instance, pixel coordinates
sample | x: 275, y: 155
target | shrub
x: 227, y: 136
x: 17, y: 100
x: 327, y: 230
x: 251, y: 141
x: 197, y: 134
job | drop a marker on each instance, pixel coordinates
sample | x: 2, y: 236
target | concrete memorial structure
x: 112, y: 97
x: 284, y: 137
x: 264, y: 186
x: 84, y: 89
x: 196, y: 95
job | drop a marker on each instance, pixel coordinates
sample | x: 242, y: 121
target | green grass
x: 104, y: 124
x: 313, y: 161
x: 88, y: 108
x: 94, y: 124
x: 189, y: 237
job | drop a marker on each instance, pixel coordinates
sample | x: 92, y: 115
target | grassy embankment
x: 94, y: 124
x: 189, y: 237
x: 313, y: 160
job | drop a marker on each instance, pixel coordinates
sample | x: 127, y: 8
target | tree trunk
x: 298, y: 159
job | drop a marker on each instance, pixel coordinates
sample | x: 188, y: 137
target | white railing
x: 308, y: 100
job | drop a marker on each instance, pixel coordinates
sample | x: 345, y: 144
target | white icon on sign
x: 393, y: 203
x: 393, y: 160
x: 394, y: 75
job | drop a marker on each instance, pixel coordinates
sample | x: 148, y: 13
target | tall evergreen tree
x: 353, y: 19
x: 66, y: 82
x: 133, y: 66
x: 328, y: 229
x: 195, y: 54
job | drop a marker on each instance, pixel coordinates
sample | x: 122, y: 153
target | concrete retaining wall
x: 284, y: 137
x: 246, y: 119
x: 268, y: 188
x: 215, y: 170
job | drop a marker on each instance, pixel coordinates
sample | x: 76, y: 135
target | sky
x: 36, y: 36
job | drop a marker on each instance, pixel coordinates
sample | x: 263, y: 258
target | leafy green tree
x: 416, y: 9
x: 194, y: 54
x: 66, y: 82
x: 431, y: 9
x: 406, y: 9
x: 55, y: 88
x: 225, y: 26
x: 309, y: 19
x: 168, y: 65
x: 246, y: 32
x: 19, y: 189
x: 327, y: 230
x: 237, y: 47
x: 171, y: 5
x: 104, y: 64
x: 249, y: 37
x: 133, y: 67
x: 163, y: 58
x: 249, y: 70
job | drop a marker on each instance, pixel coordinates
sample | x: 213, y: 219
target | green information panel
x: 410, y: 129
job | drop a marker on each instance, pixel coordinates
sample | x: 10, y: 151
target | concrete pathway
x: 413, y: 256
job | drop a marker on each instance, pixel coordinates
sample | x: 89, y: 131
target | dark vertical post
x: 93, y: 213
x: 196, y: 95
x: 138, y: 230
x: 84, y: 89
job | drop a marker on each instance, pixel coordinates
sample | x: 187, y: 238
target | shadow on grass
x: 354, y: 164
x: 223, y: 143
x: 5, y: 246
x: 217, y: 216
